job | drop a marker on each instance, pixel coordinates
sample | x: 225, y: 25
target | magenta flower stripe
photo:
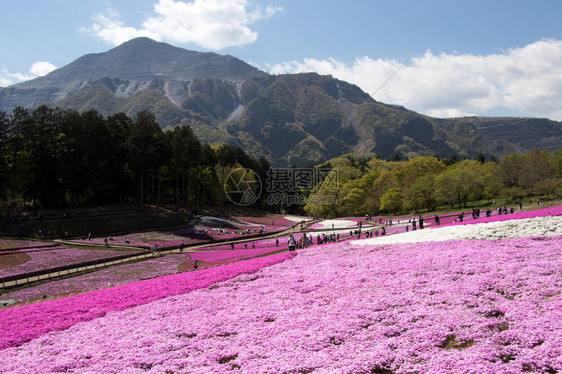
x: 27, y: 322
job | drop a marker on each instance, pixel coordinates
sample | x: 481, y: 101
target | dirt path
x: 143, y: 256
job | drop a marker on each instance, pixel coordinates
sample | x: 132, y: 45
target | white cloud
x: 213, y: 24
x: 526, y: 80
x: 41, y: 68
x: 7, y: 78
x: 111, y: 29
x: 38, y: 69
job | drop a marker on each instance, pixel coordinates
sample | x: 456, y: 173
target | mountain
x: 126, y: 69
x: 291, y: 119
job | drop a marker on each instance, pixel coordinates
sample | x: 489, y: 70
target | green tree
x: 89, y: 173
x: 405, y: 173
x: 355, y: 200
x: 119, y: 127
x: 490, y: 174
x: 323, y: 200
x: 384, y: 181
x: 208, y: 156
x: 511, y: 166
x: 548, y: 187
x: 186, y: 151
x: 205, y: 176
x: 556, y: 162
x: 207, y: 183
x: 513, y: 193
x: 44, y: 145
x: 391, y: 201
x: 146, y: 147
x: 535, y: 168
x: 423, y: 193
x: 18, y: 157
x: 357, y: 196
x: 4, y: 131
x: 460, y: 182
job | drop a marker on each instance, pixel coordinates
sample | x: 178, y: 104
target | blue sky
x: 446, y: 58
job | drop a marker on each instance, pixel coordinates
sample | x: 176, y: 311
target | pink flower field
x: 456, y: 306
x: 23, y: 323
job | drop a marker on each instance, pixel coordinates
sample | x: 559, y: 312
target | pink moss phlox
x: 465, y: 306
x: 23, y: 323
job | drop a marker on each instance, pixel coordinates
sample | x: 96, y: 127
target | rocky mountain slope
x: 293, y: 119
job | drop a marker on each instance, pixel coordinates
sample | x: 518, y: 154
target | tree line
x: 51, y: 157
x: 369, y: 185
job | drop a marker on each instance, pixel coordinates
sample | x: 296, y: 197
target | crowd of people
x: 414, y: 223
x: 307, y: 239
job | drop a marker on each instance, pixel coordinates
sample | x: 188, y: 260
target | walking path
x: 138, y: 257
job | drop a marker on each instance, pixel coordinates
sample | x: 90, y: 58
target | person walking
x: 291, y: 243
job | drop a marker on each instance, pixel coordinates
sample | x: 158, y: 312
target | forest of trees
x: 368, y: 185
x: 56, y: 158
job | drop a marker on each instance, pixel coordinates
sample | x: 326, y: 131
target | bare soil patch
x: 13, y: 259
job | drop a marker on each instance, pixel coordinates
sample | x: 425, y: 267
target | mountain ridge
x: 145, y: 59
x: 136, y: 62
x: 291, y: 119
